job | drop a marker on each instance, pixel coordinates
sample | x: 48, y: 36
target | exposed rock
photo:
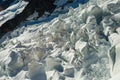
x: 5, y: 4
x: 39, y: 6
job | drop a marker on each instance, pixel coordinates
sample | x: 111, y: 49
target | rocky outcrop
x: 5, y: 4
x: 39, y: 6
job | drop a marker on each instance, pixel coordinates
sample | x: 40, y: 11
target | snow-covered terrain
x: 82, y: 44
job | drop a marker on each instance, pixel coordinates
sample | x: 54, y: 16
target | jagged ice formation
x: 82, y: 44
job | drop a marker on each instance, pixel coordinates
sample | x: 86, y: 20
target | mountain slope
x: 76, y: 45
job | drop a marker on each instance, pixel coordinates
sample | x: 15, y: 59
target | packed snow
x: 82, y: 44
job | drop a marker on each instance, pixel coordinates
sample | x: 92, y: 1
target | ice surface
x: 83, y: 44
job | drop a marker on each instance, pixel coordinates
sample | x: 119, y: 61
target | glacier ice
x: 82, y: 44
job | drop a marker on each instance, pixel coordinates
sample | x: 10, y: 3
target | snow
x: 116, y: 77
x: 71, y: 46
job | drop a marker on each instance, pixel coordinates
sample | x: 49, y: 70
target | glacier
x: 81, y: 44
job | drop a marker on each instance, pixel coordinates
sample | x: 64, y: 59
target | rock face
x: 39, y: 6
x: 5, y: 3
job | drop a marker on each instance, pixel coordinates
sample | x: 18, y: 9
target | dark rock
x: 82, y: 1
x: 39, y: 6
x: 5, y: 3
